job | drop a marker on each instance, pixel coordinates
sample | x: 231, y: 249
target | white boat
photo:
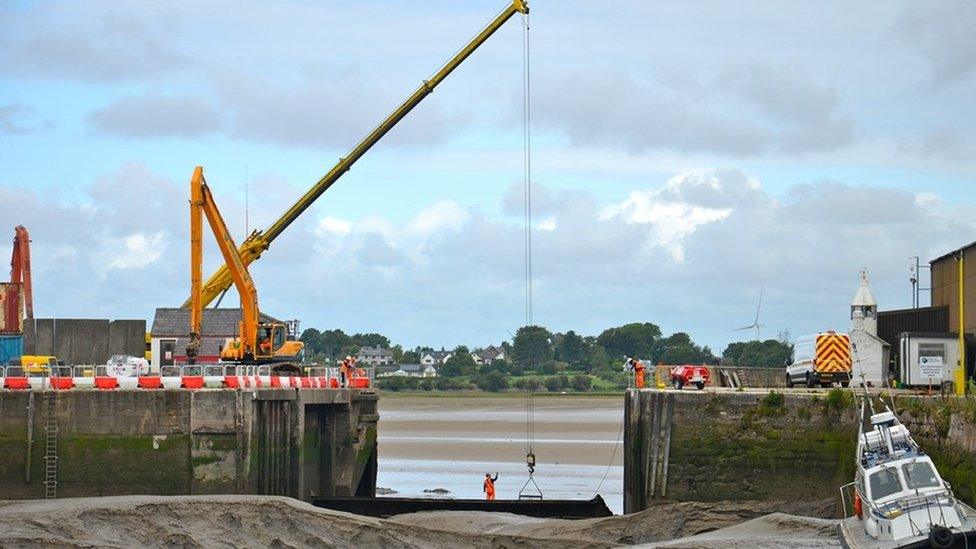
x: 899, y: 498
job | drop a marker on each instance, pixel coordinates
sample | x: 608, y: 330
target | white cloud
x: 687, y: 252
x: 548, y: 224
x: 333, y: 225
x: 669, y: 221
x: 437, y: 219
x: 137, y: 250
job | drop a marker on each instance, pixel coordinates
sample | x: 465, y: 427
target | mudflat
x: 449, y: 441
x: 568, y: 429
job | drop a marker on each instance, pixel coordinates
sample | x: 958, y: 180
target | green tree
x: 447, y: 384
x: 680, y: 349
x: 336, y: 344
x: 493, y: 382
x: 581, y: 383
x: 555, y: 384
x: 371, y: 340
x: 460, y: 364
x: 571, y: 349
x: 760, y: 354
x: 392, y: 383
x: 410, y: 357
x: 596, y: 355
x: 532, y: 346
x: 312, y: 339
x: 496, y: 366
x: 635, y: 339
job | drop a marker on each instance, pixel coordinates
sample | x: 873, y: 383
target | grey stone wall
x: 774, y: 446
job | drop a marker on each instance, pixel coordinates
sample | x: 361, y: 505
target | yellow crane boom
x: 257, y: 341
x: 259, y: 241
x: 202, y: 204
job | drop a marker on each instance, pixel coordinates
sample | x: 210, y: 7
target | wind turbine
x: 755, y: 323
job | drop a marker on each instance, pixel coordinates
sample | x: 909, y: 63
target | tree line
x: 537, y: 351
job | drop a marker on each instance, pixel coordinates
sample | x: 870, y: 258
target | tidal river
x: 450, y: 442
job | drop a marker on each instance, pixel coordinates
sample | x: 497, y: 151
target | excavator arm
x: 20, y: 268
x: 259, y: 241
x: 202, y: 204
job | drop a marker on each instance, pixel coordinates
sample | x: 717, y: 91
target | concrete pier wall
x: 771, y: 446
x: 299, y: 443
x: 84, y: 341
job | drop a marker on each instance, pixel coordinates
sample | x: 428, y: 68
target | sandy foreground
x: 263, y: 521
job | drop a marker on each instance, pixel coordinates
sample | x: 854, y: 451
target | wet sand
x: 449, y: 442
x: 268, y: 521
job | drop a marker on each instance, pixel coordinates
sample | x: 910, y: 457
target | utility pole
x: 915, y: 277
x: 960, y: 379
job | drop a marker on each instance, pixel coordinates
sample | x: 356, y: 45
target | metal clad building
x: 11, y: 303
x: 922, y: 319
x: 945, y: 289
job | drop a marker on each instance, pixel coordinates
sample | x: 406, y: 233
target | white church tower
x: 871, y: 353
x: 865, y: 303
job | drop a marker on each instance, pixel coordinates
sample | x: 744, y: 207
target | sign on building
x: 931, y: 366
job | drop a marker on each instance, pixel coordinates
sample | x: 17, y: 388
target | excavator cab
x: 271, y: 337
x: 284, y: 345
x: 273, y: 345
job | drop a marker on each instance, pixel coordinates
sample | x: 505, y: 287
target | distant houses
x: 375, y: 356
x: 382, y: 359
x: 488, y: 355
x: 435, y: 358
x: 411, y: 370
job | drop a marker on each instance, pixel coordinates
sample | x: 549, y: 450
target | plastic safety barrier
x: 83, y: 377
x: 62, y: 378
x: 15, y: 378
x: 103, y: 379
x: 213, y: 376
x: 191, y: 377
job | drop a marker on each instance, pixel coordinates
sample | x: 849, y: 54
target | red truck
x: 689, y: 375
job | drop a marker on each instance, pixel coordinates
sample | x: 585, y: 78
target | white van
x: 821, y: 359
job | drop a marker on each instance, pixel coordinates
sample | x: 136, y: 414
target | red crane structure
x: 20, y: 271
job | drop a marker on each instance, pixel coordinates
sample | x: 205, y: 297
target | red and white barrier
x: 105, y: 378
x: 213, y: 376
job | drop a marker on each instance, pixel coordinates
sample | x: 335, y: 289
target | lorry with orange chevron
x: 821, y: 359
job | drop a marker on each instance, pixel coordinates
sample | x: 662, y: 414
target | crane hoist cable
x: 527, y: 492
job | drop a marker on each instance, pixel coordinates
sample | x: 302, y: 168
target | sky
x: 686, y: 157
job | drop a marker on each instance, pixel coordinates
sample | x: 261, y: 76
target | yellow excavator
x: 259, y: 241
x: 258, y: 342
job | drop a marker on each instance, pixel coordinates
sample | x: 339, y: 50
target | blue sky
x: 684, y: 156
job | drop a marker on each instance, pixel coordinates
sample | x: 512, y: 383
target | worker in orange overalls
x: 638, y: 367
x: 345, y: 370
x: 489, y: 486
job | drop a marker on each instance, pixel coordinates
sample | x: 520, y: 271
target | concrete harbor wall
x: 84, y: 341
x: 295, y: 442
x: 771, y: 446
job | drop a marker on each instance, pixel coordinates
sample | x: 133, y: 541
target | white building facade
x: 871, y: 353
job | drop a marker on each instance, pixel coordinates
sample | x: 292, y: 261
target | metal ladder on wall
x: 50, y: 442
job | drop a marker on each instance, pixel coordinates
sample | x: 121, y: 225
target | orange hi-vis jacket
x: 490, y: 487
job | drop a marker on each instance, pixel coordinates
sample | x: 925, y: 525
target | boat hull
x: 851, y: 534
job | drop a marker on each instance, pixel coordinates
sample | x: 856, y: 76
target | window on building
x: 932, y: 350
